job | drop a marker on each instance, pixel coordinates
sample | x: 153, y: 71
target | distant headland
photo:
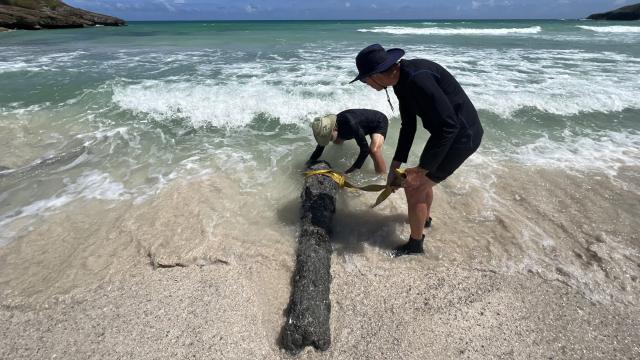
x: 630, y: 12
x: 49, y: 14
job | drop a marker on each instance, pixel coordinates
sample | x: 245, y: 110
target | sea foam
x: 399, y: 30
x: 604, y: 152
x: 236, y: 104
x: 14, y: 60
x: 93, y: 184
x: 561, y: 82
x: 612, y: 29
x: 503, y: 82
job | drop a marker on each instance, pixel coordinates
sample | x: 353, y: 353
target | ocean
x: 183, y: 143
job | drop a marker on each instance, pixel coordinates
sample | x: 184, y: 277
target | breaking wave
x: 398, y: 30
x: 612, y: 29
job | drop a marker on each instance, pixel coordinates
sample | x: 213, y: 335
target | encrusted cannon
x: 309, y: 309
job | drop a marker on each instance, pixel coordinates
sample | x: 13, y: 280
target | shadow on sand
x: 352, y: 228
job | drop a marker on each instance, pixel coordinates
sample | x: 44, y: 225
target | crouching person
x: 353, y: 124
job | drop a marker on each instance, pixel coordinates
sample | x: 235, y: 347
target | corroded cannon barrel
x: 309, y: 309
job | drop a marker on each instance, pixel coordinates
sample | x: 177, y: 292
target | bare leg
x: 418, y: 208
x: 375, y: 151
x: 429, y: 198
x: 419, y: 191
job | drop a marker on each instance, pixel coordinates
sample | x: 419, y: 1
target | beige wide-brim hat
x: 322, y: 128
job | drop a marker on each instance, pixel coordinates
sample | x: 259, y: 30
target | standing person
x: 353, y: 124
x: 428, y: 90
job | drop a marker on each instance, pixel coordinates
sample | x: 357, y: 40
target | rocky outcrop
x: 631, y: 12
x: 49, y: 14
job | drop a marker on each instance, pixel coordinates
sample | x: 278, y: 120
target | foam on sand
x: 93, y: 184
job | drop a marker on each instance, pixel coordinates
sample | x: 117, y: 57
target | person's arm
x: 361, y: 140
x: 375, y: 151
x: 316, y: 154
x: 445, y: 118
x: 405, y: 138
x: 407, y: 130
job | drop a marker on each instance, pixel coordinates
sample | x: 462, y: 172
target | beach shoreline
x: 406, y: 308
x: 160, y: 280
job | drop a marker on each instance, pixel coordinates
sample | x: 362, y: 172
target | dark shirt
x: 356, y: 124
x: 428, y: 90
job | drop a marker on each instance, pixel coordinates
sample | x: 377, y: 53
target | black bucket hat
x: 374, y: 59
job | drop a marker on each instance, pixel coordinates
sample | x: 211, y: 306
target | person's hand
x: 391, y: 177
x: 416, y: 177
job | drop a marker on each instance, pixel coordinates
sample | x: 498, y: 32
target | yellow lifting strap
x: 341, y: 180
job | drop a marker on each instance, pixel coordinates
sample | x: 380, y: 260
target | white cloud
x: 347, y: 4
x: 250, y: 8
x: 166, y: 5
x: 476, y: 4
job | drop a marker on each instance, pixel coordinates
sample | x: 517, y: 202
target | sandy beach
x: 163, y: 283
x: 401, y: 309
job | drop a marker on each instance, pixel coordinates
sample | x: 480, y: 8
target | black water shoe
x: 413, y: 246
x: 427, y: 223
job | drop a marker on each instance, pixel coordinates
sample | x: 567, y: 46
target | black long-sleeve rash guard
x: 428, y: 90
x: 357, y: 124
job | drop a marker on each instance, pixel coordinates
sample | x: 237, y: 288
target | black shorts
x: 453, y: 159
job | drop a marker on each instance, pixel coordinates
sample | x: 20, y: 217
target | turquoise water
x: 175, y: 87
x: 119, y: 114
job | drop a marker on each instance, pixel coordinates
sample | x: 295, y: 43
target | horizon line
x: 412, y: 19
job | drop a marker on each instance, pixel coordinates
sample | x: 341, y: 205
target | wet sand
x: 182, y: 275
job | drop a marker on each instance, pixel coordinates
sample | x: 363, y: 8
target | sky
x: 346, y: 9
